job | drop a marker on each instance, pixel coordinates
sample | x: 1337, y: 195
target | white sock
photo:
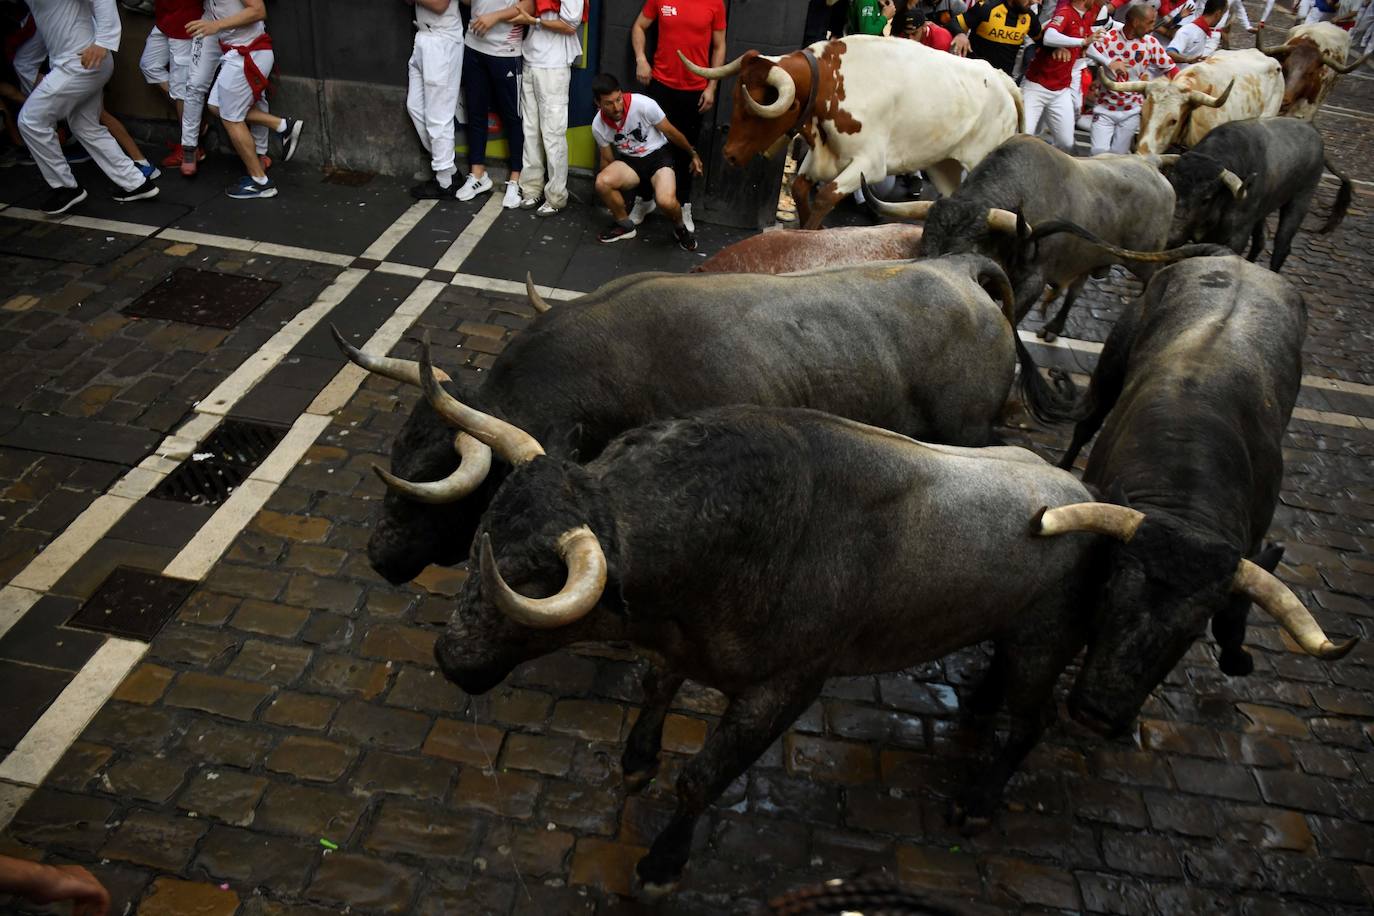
x: 262, y: 180
x: 141, y: 163
x: 281, y: 128
x: 445, y: 178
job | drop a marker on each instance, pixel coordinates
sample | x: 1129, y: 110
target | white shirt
x: 244, y: 34
x: 502, y: 39
x: 550, y: 50
x: 1190, y: 41
x: 449, y: 22
x: 69, y: 27
x: 639, y: 135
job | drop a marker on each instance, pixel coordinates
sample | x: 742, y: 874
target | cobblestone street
x: 285, y: 745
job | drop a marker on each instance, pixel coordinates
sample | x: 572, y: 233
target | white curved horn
x: 780, y: 80
x: 713, y: 73
x: 474, y: 463
x: 1000, y: 220
x: 1278, y: 601
x: 1115, y: 521
x: 398, y: 370
x: 1233, y: 183
x: 1128, y: 86
x: 507, y: 440
x: 536, y: 300
x: 581, y: 591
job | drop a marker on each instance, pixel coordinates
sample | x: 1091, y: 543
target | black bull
x: 917, y: 347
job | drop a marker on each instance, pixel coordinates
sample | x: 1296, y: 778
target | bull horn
x: 536, y: 300
x: 398, y: 370
x: 1166, y: 161
x: 713, y: 73
x: 1278, y: 601
x: 1128, y: 86
x: 1000, y: 220
x: 1278, y: 53
x: 510, y: 442
x: 473, y: 466
x: 1343, y: 68
x: 910, y: 209
x: 780, y: 80
x: 581, y: 590
x: 1168, y: 256
x: 1115, y: 521
x: 1200, y: 98
x: 1233, y: 183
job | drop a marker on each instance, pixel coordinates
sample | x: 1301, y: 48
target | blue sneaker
x: 290, y: 138
x: 248, y: 189
x: 150, y: 171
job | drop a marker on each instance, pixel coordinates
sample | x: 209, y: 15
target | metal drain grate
x: 203, y: 297
x: 221, y: 464
x: 347, y: 178
x: 132, y: 603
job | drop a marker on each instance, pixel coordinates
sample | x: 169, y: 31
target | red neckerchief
x: 256, y: 81
x: 624, y: 119
x: 1201, y: 23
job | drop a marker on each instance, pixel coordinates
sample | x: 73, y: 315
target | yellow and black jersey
x: 996, y: 32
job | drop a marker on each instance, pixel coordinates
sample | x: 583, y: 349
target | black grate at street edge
x: 133, y: 604
x: 220, y: 464
x: 203, y: 297
x: 347, y: 178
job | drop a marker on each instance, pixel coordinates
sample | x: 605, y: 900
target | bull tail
x: 1168, y: 256
x: 1057, y: 403
x: 1338, y: 210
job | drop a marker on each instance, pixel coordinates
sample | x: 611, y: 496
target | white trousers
x: 1052, y: 107
x: 544, y: 111
x: 232, y: 95
x: 436, y: 73
x: 1113, y: 131
x: 187, y: 66
x: 28, y: 59
x: 72, y: 93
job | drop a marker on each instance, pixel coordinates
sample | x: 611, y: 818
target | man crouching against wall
x: 632, y: 135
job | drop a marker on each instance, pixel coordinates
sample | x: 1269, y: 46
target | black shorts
x: 645, y: 167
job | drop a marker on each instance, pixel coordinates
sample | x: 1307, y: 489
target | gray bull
x: 1122, y: 199
x: 760, y: 551
x: 1196, y: 383
x: 917, y: 347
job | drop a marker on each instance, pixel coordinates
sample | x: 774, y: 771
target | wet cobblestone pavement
x: 286, y: 746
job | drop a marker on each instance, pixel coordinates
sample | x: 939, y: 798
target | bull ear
x: 1268, y: 559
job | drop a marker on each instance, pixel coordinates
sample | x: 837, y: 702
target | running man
x: 80, y: 36
x: 632, y: 134
x: 183, y: 67
x: 237, y: 95
x: 1131, y: 54
x: 436, y: 71
x: 1047, y: 89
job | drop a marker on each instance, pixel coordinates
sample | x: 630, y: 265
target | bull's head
x: 766, y: 105
x: 1204, y: 192
x: 438, y: 486
x: 1165, y: 584
x: 540, y: 518
x: 1302, y: 61
x: 1164, y: 113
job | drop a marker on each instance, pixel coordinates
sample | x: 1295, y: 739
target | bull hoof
x: 1047, y: 335
x: 634, y: 780
x: 653, y: 888
x: 970, y: 815
x: 1236, y: 662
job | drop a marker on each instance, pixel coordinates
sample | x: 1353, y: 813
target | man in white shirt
x: 1191, y: 42
x: 632, y: 135
x: 435, y: 73
x: 491, y: 79
x: 80, y: 36
x: 551, y: 45
x: 238, y: 96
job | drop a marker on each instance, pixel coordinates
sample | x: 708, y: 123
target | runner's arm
x: 253, y: 11
x: 107, y: 28
x: 638, y: 37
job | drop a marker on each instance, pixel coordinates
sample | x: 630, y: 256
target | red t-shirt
x: 1058, y: 74
x: 172, y: 15
x: 937, y: 37
x: 686, y: 26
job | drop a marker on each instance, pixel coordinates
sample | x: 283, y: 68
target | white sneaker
x: 548, y: 209
x: 687, y: 219
x: 641, y: 209
x: 512, y: 198
x: 473, y: 186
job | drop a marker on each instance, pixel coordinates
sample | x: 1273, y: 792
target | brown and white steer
x: 1312, y: 57
x: 785, y: 251
x: 860, y: 117
x: 1228, y: 86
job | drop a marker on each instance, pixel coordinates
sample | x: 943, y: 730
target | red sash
x: 256, y: 81
x: 556, y: 6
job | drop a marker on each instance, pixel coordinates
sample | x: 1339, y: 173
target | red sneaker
x: 266, y: 162
x: 188, y: 163
x: 173, y: 157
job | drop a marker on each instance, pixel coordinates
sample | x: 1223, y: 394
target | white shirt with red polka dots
x: 1145, y: 57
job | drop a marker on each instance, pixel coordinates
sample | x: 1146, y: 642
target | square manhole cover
x: 203, y: 297
x: 132, y: 603
x: 220, y: 464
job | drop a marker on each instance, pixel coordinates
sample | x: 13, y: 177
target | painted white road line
x: 467, y: 240
x: 62, y: 552
x: 388, y: 240
x: 205, y: 238
x: 82, y: 222
x: 1062, y: 343
x: 252, y: 370
x: 272, y: 249
x: 1335, y: 384
x: 14, y: 604
x: 402, y: 270
x: 291, y: 449
x: 214, y: 537
x: 39, y: 750
x: 12, y: 798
